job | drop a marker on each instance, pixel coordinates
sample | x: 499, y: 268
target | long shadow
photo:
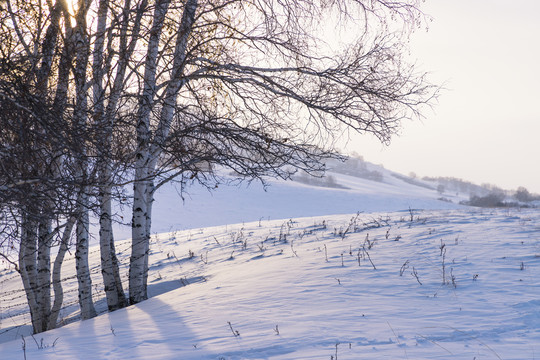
x: 141, y: 331
x: 171, y: 333
x: 163, y: 287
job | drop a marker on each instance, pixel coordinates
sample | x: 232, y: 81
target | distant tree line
x: 355, y: 166
x: 452, y: 184
x: 485, y: 195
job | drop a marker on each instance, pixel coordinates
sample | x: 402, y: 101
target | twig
x: 235, y: 332
x: 112, y: 329
x: 292, y: 248
x: 415, y: 274
x: 435, y: 343
x: 441, y: 247
x: 38, y: 346
x: 404, y: 267
x: 369, y: 258
x: 397, y: 338
x: 203, y: 259
x: 23, y: 346
x: 443, y: 266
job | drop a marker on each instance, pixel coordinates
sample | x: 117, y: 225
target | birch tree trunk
x: 109, y: 264
x: 44, y: 267
x: 147, y: 154
x: 36, y: 220
x: 34, y: 267
x: 80, y: 118
x: 57, y: 273
x: 28, y: 267
x: 81, y: 264
x: 140, y: 241
x: 128, y: 38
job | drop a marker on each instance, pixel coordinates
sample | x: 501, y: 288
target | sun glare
x: 71, y: 6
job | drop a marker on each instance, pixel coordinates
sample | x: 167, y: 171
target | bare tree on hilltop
x: 154, y: 91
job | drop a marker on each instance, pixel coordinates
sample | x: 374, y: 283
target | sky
x: 486, y: 123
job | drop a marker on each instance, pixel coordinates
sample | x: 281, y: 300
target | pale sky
x: 486, y: 125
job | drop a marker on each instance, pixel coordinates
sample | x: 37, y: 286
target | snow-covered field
x: 292, y: 280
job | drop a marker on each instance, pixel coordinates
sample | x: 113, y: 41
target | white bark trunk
x: 128, y: 41
x: 148, y: 156
x: 44, y: 269
x: 176, y: 82
x: 140, y: 240
x: 139, y: 246
x: 149, y: 204
x: 57, y: 274
x: 109, y: 264
x: 81, y: 264
x: 28, y: 268
x: 34, y: 251
x: 80, y: 117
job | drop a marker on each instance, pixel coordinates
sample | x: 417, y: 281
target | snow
x: 292, y: 279
x: 282, y: 200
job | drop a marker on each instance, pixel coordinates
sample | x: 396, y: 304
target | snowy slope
x: 284, y: 199
x: 314, y: 287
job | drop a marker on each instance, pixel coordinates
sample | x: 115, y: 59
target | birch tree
x: 145, y: 92
x: 43, y: 163
x: 249, y: 85
x: 35, y: 196
x: 117, y: 35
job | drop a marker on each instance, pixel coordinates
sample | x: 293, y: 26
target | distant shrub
x: 355, y: 166
x: 440, y: 189
x: 325, y: 181
x: 493, y: 199
x: 522, y: 194
x: 452, y: 184
x: 373, y: 175
x: 412, y: 181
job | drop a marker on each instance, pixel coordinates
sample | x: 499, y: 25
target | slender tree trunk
x: 127, y: 44
x: 109, y: 263
x: 149, y: 205
x: 122, y: 300
x: 59, y: 105
x: 28, y: 267
x: 138, y: 270
x: 140, y: 241
x: 34, y: 251
x: 81, y: 262
x: 57, y: 274
x: 80, y: 118
x: 148, y: 155
x: 44, y: 268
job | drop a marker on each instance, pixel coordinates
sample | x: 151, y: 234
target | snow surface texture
x: 427, y: 284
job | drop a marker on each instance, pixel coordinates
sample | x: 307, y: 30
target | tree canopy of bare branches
x: 104, y: 93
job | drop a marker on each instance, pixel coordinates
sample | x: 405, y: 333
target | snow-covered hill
x: 397, y: 274
x: 287, y: 199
